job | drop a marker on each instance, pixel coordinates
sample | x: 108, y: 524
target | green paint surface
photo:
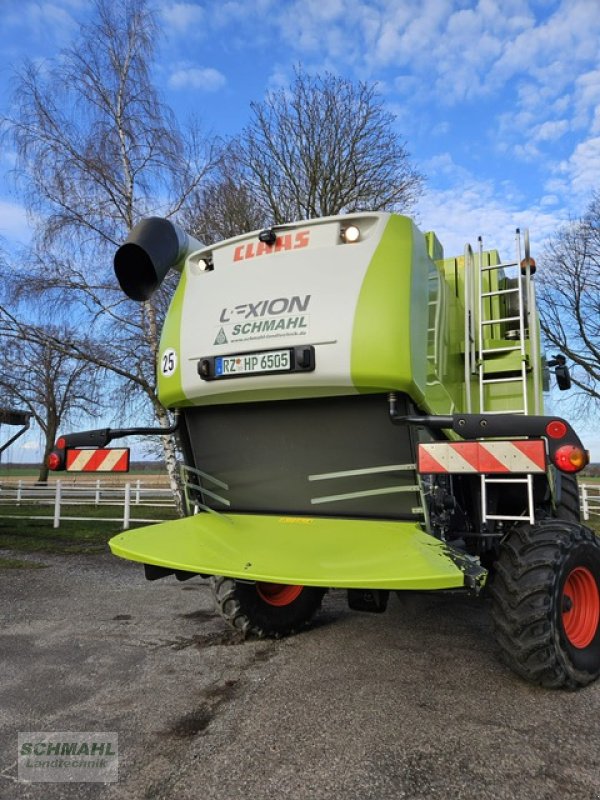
x: 381, y: 338
x: 311, y: 551
x: 170, y: 389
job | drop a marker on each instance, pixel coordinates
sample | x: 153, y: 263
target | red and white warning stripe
x: 525, y: 456
x: 103, y: 459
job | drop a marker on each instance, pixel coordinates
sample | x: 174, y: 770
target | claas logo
x: 286, y: 241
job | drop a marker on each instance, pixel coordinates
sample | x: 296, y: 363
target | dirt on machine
x: 357, y: 411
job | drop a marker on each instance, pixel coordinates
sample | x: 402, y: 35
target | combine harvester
x: 356, y: 411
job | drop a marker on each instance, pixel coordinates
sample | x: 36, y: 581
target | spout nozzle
x: 153, y: 246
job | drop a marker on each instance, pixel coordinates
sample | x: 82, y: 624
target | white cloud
x: 184, y: 18
x: 587, y: 99
x: 43, y: 19
x: 467, y: 208
x: 205, y: 79
x: 549, y: 200
x: 551, y: 130
x: 578, y: 175
x: 14, y: 225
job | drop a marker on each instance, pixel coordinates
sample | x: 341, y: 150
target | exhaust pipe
x: 153, y: 247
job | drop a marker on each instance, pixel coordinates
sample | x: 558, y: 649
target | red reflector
x: 60, y: 444
x: 54, y: 461
x: 569, y: 458
x: 556, y: 429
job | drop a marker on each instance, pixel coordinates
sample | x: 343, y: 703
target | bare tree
x: 224, y: 206
x: 570, y: 299
x: 98, y: 150
x: 42, y: 378
x: 324, y: 146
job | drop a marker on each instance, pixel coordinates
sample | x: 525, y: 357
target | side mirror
x: 563, y: 376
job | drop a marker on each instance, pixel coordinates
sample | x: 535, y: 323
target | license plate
x: 253, y: 363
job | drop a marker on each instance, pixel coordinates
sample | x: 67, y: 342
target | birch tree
x: 97, y: 150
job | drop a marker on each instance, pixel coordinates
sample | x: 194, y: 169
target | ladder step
x: 504, y: 480
x: 499, y: 266
x: 506, y: 411
x: 502, y: 380
x: 500, y: 349
x: 499, y: 320
x: 512, y: 519
x: 500, y: 291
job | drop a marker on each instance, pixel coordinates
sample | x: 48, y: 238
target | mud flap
x: 308, y: 551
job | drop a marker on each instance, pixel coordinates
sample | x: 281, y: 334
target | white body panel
x: 303, y: 291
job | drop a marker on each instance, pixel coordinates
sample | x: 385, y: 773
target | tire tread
x: 521, y: 590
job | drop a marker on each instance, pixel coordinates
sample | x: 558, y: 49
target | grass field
x: 90, y: 536
x: 13, y: 474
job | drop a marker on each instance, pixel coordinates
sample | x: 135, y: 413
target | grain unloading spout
x: 153, y: 247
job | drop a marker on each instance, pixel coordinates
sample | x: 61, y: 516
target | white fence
x: 590, y: 499
x: 130, y: 496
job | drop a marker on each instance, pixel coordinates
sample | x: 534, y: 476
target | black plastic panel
x: 266, y: 452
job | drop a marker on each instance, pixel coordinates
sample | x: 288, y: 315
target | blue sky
x: 499, y: 102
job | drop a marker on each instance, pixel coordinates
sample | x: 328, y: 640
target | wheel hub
x: 278, y: 594
x: 580, y: 607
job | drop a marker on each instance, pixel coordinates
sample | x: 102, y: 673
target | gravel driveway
x: 409, y: 704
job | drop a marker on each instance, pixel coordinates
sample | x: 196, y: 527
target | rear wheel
x: 546, y: 603
x: 265, y: 609
x: 568, y: 506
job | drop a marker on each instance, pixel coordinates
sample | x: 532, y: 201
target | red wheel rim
x: 278, y: 594
x: 580, y: 607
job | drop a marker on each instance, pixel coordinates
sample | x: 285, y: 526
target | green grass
x: 594, y: 523
x: 15, y: 563
x: 73, y: 537
x: 19, y: 472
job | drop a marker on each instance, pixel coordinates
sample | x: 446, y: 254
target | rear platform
x: 308, y: 551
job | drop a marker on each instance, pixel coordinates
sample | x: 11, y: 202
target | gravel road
x: 409, y: 704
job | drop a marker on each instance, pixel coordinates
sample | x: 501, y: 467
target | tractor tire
x: 568, y: 508
x: 545, y: 595
x: 265, y: 609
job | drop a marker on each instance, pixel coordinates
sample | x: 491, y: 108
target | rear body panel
x: 374, y: 311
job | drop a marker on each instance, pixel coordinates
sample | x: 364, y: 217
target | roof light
x: 569, y: 458
x: 205, y: 264
x: 268, y: 236
x: 350, y: 234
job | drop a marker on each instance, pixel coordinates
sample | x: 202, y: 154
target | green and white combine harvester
x: 358, y: 412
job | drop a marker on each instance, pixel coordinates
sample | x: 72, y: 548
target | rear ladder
x: 485, y: 310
